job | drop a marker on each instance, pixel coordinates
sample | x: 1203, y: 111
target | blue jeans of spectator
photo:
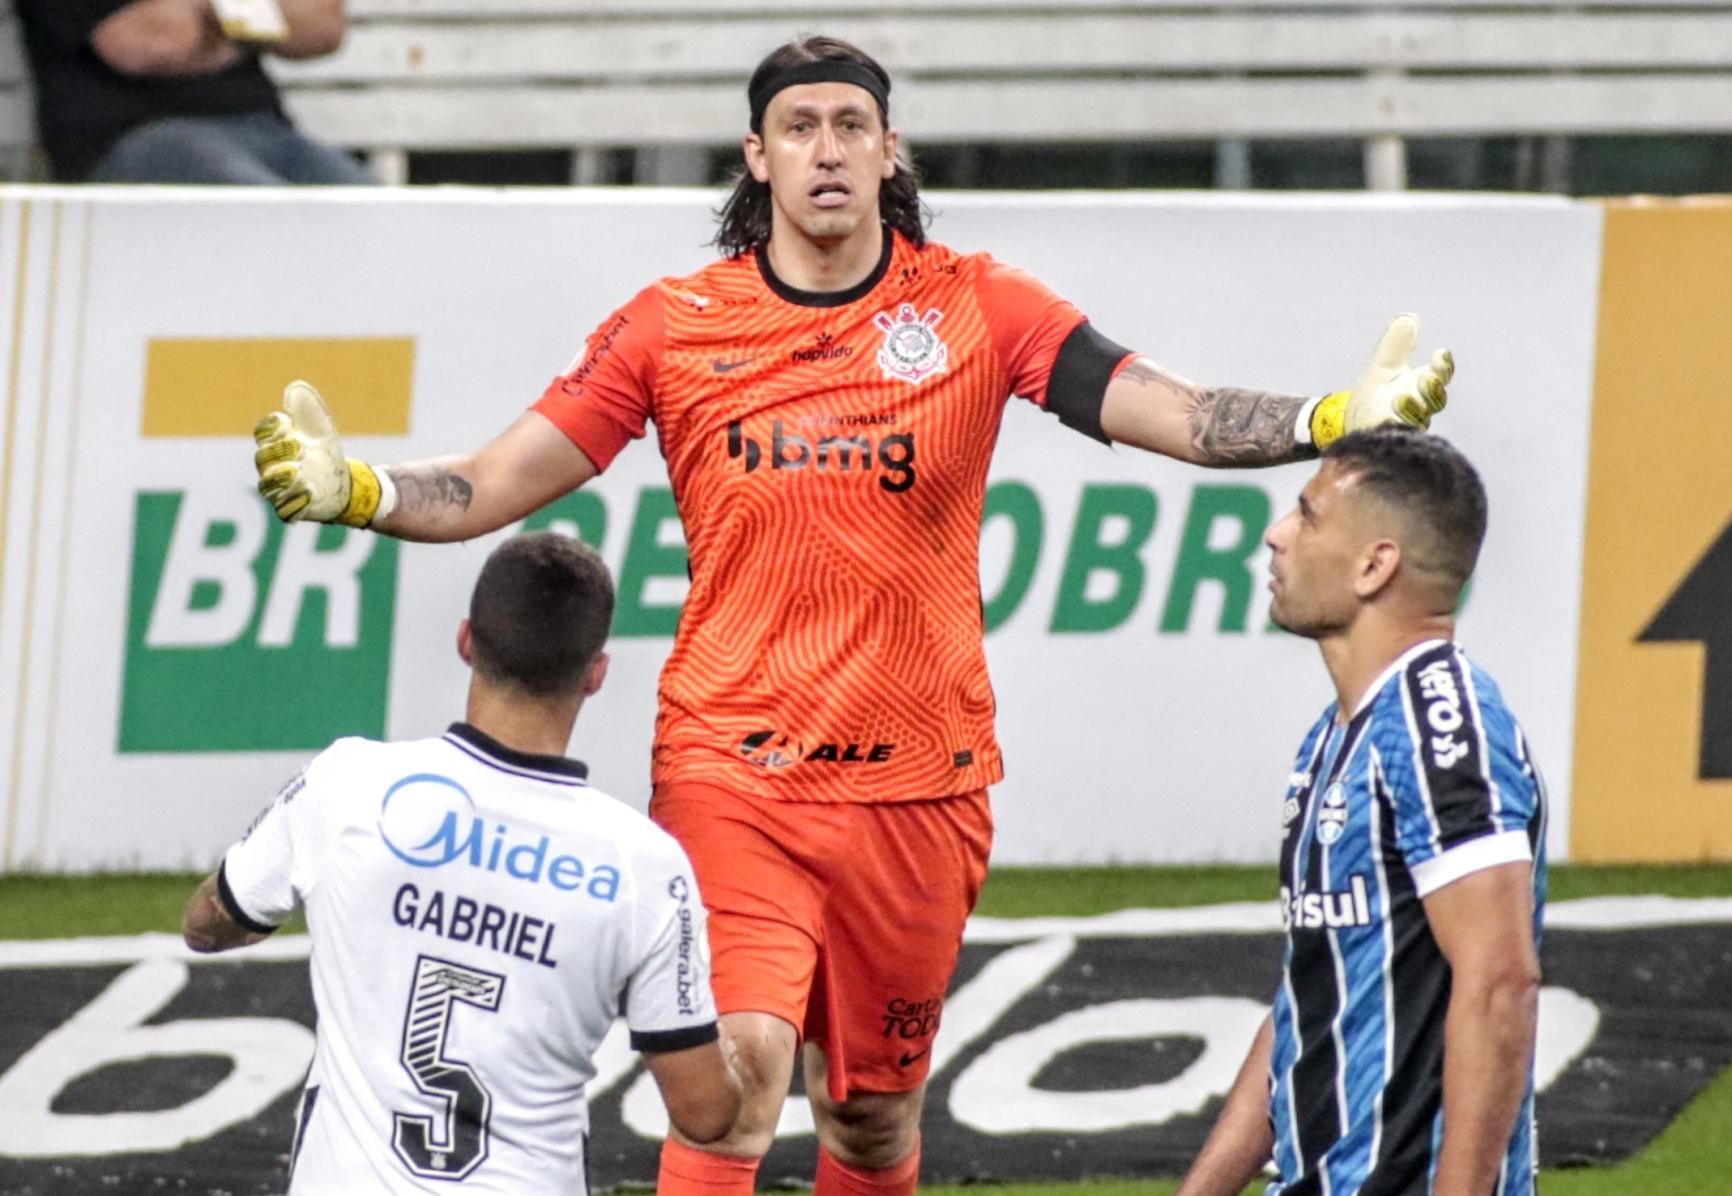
x: 257, y: 148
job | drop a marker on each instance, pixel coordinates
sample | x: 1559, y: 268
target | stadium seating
x: 585, y: 75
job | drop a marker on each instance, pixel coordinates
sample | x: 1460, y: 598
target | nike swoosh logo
x: 915, y: 1057
x: 725, y: 367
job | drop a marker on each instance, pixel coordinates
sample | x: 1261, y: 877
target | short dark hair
x: 1435, y: 489
x: 540, y: 613
x: 744, y: 219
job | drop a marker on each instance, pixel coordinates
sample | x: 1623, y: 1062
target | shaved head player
x: 827, y: 396
x: 479, y: 918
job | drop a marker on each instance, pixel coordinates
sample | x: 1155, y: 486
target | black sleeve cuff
x: 226, y: 895
x: 683, y: 1039
x: 1080, y: 374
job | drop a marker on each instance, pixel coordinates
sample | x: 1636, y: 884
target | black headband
x: 825, y: 70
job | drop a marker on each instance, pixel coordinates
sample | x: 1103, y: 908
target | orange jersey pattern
x: 828, y: 455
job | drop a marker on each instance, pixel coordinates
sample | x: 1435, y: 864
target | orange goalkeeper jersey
x: 828, y: 454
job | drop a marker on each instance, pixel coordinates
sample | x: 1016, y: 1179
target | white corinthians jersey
x: 479, y: 918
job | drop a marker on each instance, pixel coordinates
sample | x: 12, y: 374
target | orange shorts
x: 843, y: 919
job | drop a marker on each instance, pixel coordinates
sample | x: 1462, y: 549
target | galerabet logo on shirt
x: 912, y: 350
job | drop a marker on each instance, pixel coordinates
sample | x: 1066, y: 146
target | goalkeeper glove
x: 303, y: 472
x: 1389, y: 390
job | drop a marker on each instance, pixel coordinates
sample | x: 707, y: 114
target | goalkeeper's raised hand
x: 1389, y: 390
x: 302, y: 470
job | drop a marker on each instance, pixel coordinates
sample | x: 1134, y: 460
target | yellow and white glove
x: 1389, y: 390
x: 303, y: 472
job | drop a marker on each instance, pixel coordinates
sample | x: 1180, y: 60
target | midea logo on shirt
x: 428, y: 821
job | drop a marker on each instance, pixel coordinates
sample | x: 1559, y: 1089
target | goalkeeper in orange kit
x: 827, y: 397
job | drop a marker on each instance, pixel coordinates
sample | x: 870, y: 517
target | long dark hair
x: 743, y: 222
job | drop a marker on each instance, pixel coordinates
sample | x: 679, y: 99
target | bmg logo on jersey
x: 891, y: 456
x: 429, y: 821
x: 1333, y: 910
x: 235, y: 620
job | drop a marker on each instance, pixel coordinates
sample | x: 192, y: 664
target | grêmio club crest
x: 911, y: 350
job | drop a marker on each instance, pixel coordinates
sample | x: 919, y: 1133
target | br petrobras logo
x: 428, y: 820
x: 231, y: 612
x: 912, y: 351
x: 233, y: 617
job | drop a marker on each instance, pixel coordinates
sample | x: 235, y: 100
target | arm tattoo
x: 1245, y: 427
x: 420, y: 487
x: 1224, y: 427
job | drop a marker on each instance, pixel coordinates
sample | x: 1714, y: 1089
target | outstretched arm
x: 1230, y: 427
x: 1224, y: 427
x: 527, y: 466
x: 304, y: 474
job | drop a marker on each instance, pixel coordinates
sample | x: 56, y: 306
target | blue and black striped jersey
x: 1429, y: 781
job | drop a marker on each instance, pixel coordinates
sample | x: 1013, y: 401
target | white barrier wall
x: 168, y: 655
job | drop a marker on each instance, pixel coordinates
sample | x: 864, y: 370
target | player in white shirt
x: 479, y: 917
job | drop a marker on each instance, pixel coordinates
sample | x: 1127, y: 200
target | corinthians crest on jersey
x: 912, y: 350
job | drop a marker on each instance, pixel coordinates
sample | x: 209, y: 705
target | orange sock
x: 836, y: 1178
x: 686, y: 1171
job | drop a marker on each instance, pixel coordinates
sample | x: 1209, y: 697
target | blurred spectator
x: 153, y: 91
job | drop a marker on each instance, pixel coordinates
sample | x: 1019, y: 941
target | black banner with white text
x: 1069, y: 1048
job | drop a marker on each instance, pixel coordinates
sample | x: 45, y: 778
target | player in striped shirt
x: 1398, y: 1058
x: 827, y: 397
x: 479, y: 917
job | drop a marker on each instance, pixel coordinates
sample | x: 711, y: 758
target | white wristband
x: 387, y: 497
x: 1302, y: 425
